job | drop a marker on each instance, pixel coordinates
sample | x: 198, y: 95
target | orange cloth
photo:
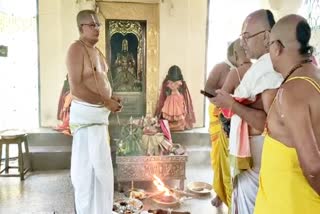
x: 174, y: 109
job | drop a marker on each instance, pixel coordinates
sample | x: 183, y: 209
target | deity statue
x: 124, y: 70
x: 175, y: 104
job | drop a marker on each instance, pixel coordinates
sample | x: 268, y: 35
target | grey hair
x: 82, y: 15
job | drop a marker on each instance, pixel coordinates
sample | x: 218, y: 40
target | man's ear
x: 236, y: 56
x: 278, y: 49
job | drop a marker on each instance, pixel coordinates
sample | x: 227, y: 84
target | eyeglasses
x: 277, y: 40
x: 245, y: 36
x: 93, y: 25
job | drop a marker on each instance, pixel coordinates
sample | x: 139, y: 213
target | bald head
x: 85, y: 15
x: 260, y: 20
x: 239, y: 51
x: 230, y: 54
x: 294, y: 32
x: 255, y: 33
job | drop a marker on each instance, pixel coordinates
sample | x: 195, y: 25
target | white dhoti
x: 246, y: 184
x: 91, y: 164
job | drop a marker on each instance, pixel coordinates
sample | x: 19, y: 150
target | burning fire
x: 160, y: 186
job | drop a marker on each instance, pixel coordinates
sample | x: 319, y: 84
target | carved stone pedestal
x: 142, y: 168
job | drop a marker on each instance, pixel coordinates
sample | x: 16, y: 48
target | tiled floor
x: 51, y: 192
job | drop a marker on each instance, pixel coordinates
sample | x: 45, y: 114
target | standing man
x: 248, y: 121
x: 290, y: 170
x: 219, y: 141
x: 91, y: 166
x: 242, y: 64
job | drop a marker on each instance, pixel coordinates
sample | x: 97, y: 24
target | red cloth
x: 164, y: 125
x: 64, y: 115
x: 227, y: 113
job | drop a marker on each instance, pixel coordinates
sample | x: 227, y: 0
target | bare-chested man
x: 220, y: 155
x: 219, y: 72
x: 248, y: 121
x: 290, y: 170
x: 242, y: 64
x: 91, y: 166
x: 219, y: 141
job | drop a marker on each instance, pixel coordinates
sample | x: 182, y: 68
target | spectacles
x: 93, y: 25
x: 245, y: 36
x: 277, y: 40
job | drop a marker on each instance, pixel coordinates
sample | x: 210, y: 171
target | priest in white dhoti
x: 247, y: 108
x: 91, y: 165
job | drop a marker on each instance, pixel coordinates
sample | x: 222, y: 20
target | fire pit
x: 166, y: 197
x: 166, y: 201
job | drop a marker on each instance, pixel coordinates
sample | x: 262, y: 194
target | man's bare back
x: 217, y: 76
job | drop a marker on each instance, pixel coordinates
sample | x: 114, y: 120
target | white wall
x: 51, y: 61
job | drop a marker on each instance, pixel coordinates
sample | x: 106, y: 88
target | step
x: 48, y: 137
x: 51, y: 150
x: 190, y: 139
x: 199, y: 156
x: 50, y: 157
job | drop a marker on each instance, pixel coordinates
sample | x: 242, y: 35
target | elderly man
x: 290, y: 172
x: 242, y: 64
x: 91, y: 167
x: 220, y: 155
x: 219, y: 152
x: 248, y: 105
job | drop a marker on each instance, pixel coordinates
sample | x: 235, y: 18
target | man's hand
x: 222, y: 99
x: 113, y: 105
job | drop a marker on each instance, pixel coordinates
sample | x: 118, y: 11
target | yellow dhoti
x: 220, y: 157
x: 283, y: 189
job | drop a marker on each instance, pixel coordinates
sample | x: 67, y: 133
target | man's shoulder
x: 76, y: 45
x: 75, y: 48
x: 298, y: 84
x: 297, y: 91
x: 220, y: 67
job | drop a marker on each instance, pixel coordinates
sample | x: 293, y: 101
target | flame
x: 160, y: 186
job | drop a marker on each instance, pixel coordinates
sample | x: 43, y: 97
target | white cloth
x: 246, y: 183
x: 260, y: 77
x: 91, y: 164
